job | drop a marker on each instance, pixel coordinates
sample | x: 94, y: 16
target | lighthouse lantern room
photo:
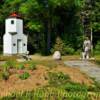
x: 14, y: 41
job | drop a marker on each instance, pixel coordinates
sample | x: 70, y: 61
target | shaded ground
x: 91, y: 69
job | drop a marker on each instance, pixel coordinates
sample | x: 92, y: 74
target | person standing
x: 87, y: 48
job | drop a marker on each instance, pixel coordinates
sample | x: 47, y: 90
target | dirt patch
x: 15, y: 84
x: 75, y: 74
x: 37, y: 79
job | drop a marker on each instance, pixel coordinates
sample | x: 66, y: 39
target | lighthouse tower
x: 14, y: 41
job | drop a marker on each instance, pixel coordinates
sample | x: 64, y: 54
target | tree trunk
x: 49, y: 36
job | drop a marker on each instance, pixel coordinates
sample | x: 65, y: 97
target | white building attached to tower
x: 14, y: 41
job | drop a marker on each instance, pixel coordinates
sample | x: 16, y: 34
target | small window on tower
x: 14, y: 44
x: 12, y: 21
x: 24, y: 44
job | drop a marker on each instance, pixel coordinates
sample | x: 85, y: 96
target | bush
x: 78, y: 52
x: 59, y: 46
x: 5, y: 75
x: 72, y: 87
x: 97, y: 48
x: 24, y: 75
x: 69, y: 50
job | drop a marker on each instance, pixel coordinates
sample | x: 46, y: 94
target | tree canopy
x: 45, y: 20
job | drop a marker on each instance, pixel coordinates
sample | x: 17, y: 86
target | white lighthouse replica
x: 14, y: 41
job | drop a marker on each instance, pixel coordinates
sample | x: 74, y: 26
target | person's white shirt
x: 87, y: 45
x: 86, y: 49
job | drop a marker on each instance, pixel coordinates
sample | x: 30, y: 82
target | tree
x: 45, y: 20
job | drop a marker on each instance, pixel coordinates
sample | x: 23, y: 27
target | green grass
x: 47, y: 93
x: 63, y: 81
x: 58, y: 78
x: 52, y: 93
x: 6, y: 58
x: 97, y: 59
x: 24, y: 75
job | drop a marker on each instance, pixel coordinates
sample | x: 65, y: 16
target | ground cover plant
x: 31, y: 66
x: 41, y: 73
x: 58, y: 79
x: 49, y: 93
x: 63, y: 81
x: 13, y: 67
x: 24, y: 75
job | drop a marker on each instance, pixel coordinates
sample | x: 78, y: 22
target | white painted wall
x: 16, y: 27
x: 10, y: 27
x: 9, y: 40
x: 14, y: 41
x: 19, y: 26
x: 7, y: 44
x: 24, y: 42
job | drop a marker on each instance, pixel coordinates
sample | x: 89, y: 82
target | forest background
x: 55, y: 24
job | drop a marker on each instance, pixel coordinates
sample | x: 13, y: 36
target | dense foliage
x: 45, y: 20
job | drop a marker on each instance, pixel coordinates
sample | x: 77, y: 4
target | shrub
x: 24, y: 76
x: 78, y: 52
x: 62, y: 47
x: 97, y: 48
x: 59, y: 46
x: 69, y: 50
x: 72, y: 87
x: 5, y: 75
